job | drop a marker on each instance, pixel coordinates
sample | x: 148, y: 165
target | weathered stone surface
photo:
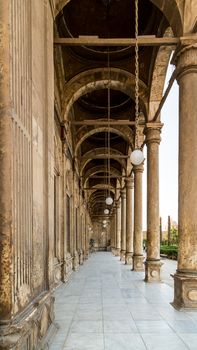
x: 185, y: 291
x: 152, y: 265
x: 152, y: 271
x: 138, y: 263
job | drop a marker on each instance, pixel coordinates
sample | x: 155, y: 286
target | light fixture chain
x: 108, y: 118
x: 136, y: 76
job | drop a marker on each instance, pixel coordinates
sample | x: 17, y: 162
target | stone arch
x: 171, y: 9
x: 190, y: 16
x: 85, y: 131
x: 158, y: 76
x: 102, y: 151
x: 98, y: 78
x: 101, y: 187
x: 99, y: 169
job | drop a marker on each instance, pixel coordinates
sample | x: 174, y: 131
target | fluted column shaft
x: 6, y: 275
x: 129, y: 220
x: 138, y: 234
x: 185, y: 279
x: 123, y: 224
x: 153, y: 264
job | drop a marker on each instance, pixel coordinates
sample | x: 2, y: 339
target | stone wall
x: 27, y: 305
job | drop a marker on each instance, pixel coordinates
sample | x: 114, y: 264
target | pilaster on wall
x: 26, y: 100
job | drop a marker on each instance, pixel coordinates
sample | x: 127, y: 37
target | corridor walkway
x: 107, y: 307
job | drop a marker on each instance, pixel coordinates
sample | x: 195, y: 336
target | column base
x: 117, y: 252
x: 86, y: 254
x: 138, y: 263
x: 75, y: 261
x: 81, y: 257
x: 185, y: 291
x: 152, y: 270
x: 128, y: 258
x: 68, y: 267
x: 113, y: 250
x: 34, y: 326
x: 122, y: 255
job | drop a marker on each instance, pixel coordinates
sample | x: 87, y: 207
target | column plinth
x: 185, y: 291
x: 153, y: 264
x: 123, y: 225
x: 75, y: 261
x: 138, y: 235
x: 128, y: 258
x: 129, y: 221
x: 185, y: 278
x: 138, y: 263
x: 152, y: 270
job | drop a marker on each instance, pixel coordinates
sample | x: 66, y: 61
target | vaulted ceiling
x: 99, y: 84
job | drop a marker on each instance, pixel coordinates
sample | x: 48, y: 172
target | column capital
x: 138, y: 168
x: 152, y: 132
x: 129, y: 182
x: 117, y: 204
x: 185, y: 60
x: 123, y: 193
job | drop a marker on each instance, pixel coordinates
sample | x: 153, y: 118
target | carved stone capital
x: 185, y: 60
x: 129, y: 182
x: 138, y: 168
x: 117, y: 204
x: 123, y: 193
x: 152, y: 132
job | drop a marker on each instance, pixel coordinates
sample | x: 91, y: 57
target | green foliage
x: 170, y: 250
x: 174, y: 235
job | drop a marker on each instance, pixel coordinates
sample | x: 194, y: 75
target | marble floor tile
x: 120, y: 326
x: 123, y: 341
x: 83, y: 326
x: 189, y: 339
x: 163, y: 342
x: 84, y: 342
x: 106, y: 306
x: 149, y: 326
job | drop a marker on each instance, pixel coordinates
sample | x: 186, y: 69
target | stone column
x: 118, y: 229
x: 153, y: 264
x: 129, y: 219
x: 5, y: 171
x: 123, y: 225
x: 185, y: 279
x: 138, y: 234
x: 113, y: 232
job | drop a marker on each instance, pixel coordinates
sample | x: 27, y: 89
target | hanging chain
x: 136, y: 78
x: 108, y: 118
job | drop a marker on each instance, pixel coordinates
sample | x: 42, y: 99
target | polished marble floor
x: 106, y: 306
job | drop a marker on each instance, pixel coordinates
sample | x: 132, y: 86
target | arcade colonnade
x: 54, y: 160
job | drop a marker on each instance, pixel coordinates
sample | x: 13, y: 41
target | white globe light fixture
x: 109, y: 201
x: 137, y: 157
x: 106, y: 211
x: 104, y: 221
